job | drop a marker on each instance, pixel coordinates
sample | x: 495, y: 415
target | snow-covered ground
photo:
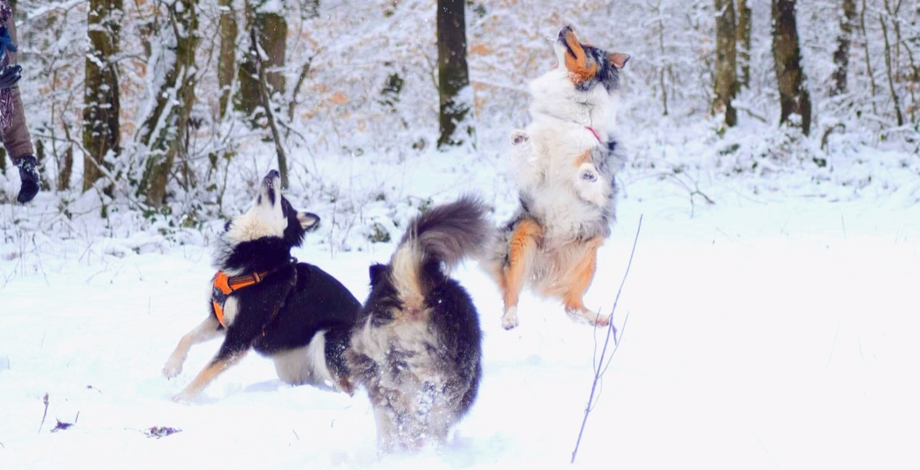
x: 775, y: 329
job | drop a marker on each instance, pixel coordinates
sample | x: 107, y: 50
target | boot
x: 30, y: 179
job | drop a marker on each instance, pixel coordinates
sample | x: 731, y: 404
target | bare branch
x: 45, y: 414
x: 600, y: 368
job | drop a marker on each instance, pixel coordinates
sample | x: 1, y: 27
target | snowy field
x: 775, y: 329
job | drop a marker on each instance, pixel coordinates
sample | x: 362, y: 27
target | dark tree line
x: 733, y: 42
x: 167, y: 92
x: 255, y: 74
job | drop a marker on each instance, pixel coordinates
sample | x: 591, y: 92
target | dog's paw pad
x: 519, y: 137
x: 587, y: 172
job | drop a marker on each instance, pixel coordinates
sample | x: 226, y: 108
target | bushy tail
x: 450, y: 232
x: 445, y: 234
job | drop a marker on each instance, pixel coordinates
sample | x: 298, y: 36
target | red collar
x: 595, y: 133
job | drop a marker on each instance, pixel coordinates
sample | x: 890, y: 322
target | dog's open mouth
x: 568, y: 39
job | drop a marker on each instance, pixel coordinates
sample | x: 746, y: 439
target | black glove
x: 9, y: 75
x: 30, y: 179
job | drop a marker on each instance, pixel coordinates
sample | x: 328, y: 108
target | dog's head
x: 587, y: 65
x: 270, y: 216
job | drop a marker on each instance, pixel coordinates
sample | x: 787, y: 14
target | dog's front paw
x: 510, y: 318
x: 173, y: 367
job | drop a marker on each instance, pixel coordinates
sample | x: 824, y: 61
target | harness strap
x: 223, y: 286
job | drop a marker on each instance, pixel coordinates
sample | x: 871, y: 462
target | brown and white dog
x: 564, y: 163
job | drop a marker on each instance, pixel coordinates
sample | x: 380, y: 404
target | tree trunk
x: 842, y: 54
x: 165, y: 131
x: 453, y: 73
x: 226, y: 62
x: 743, y: 35
x: 891, y: 73
x: 787, y: 60
x: 726, y: 78
x: 272, y: 33
x: 311, y: 9
x: 868, y: 55
x: 269, y: 113
x: 101, y: 134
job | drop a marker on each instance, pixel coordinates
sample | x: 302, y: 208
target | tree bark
x: 311, y: 8
x: 725, y: 85
x: 842, y: 53
x: 868, y: 55
x: 891, y: 72
x: 743, y: 35
x: 165, y: 131
x: 269, y: 114
x: 226, y: 61
x: 787, y: 61
x: 272, y: 36
x: 101, y: 135
x: 453, y: 73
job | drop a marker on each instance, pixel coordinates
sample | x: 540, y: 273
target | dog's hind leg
x: 206, y: 330
x: 521, y: 251
x: 577, y: 280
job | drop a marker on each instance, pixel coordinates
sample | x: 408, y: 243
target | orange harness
x: 224, y: 285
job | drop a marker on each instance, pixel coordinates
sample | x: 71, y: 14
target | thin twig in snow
x: 601, y: 368
x: 45, y: 414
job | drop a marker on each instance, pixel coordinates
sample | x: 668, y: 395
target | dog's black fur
x: 417, y: 346
x: 296, y: 307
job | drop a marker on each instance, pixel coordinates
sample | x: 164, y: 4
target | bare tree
x: 269, y: 114
x: 165, y: 131
x: 725, y: 85
x: 101, y: 136
x: 891, y: 63
x: 787, y: 60
x: 453, y: 73
x: 842, y: 53
x: 743, y: 35
x: 226, y: 61
x: 271, y: 29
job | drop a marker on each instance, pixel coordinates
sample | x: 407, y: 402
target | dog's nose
x: 565, y: 30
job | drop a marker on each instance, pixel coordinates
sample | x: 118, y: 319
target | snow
x: 770, y: 330
x: 775, y: 328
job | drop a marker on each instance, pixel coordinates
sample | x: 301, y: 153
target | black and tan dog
x: 263, y: 299
x: 417, y: 345
x: 565, y: 164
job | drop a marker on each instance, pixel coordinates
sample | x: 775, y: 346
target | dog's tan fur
x: 565, y: 167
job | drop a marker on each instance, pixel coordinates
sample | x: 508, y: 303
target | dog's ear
x: 618, y: 59
x: 519, y: 136
x: 308, y: 220
x: 377, y: 271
